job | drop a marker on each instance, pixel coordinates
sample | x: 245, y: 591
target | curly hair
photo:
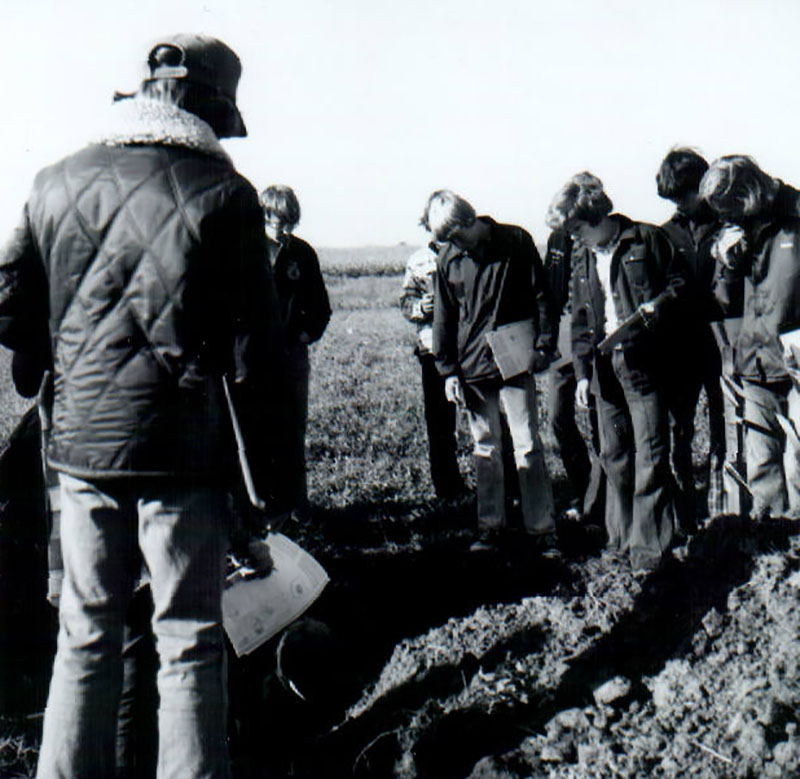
x: 581, y: 198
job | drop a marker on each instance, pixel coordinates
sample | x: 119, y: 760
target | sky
x: 365, y: 107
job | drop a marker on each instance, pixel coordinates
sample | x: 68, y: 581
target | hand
x: 426, y: 304
x: 582, y: 393
x: 248, y: 558
x: 730, y: 246
x: 453, y: 390
x: 648, y: 311
x: 540, y: 360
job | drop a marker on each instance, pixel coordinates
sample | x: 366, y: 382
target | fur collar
x: 142, y: 120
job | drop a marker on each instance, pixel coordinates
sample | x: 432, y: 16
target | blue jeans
x: 182, y: 533
x: 634, y: 449
x: 773, y: 459
x: 517, y: 401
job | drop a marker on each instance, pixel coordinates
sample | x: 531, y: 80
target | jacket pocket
x: 636, y: 268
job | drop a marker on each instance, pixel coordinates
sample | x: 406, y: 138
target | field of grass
x: 365, y: 260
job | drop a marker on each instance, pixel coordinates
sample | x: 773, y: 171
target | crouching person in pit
x: 626, y: 283
x: 489, y: 275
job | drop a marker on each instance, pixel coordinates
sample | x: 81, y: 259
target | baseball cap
x: 201, y: 60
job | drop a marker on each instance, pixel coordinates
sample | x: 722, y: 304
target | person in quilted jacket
x: 136, y: 277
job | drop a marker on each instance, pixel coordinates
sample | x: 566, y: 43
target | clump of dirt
x: 727, y: 704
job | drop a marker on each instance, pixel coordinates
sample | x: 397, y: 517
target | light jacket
x: 644, y: 269
x: 137, y: 276
x: 767, y: 288
x: 467, y: 287
x: 418, y: 281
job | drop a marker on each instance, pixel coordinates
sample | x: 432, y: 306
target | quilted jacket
x: 137, y: 276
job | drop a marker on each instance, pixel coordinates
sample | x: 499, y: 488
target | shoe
x: 487, y: 541
x: 643, y: 564
x: 546, y: 545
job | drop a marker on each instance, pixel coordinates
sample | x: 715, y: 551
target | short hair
x: 680, y: 173
x: 444, y: 212
x: 279, y: 200
x: 582, y: 198
x: 735, y: 187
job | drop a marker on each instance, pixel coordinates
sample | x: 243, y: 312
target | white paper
x: 254, y: 610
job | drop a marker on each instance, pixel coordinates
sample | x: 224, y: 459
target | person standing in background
x: 416, y: 303
x: 626, y: 284
x: 759, y: 277
x: 488, y: 275
x: 696, y: 356
x: 304, y: 313
x: 584, y: 472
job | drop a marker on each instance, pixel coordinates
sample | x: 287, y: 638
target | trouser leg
x: 137, y: 721
x: 764, y: 446
x: 717, y: 444
x: 298, y: 374
x: 653, y: 523
x: 682, y: 406
x: 569, y: 441
x: 98, y: 544
x: 594, y: 498
x: 182, y: 534
x: 616, y: 456
x: 791, y: 460
x: 518, y: 402
x: 440, y: 421
x: 484, y: 422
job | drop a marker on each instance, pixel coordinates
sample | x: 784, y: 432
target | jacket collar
x: 140, y: 120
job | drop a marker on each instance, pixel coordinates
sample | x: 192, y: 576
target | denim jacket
x: 645, y: 268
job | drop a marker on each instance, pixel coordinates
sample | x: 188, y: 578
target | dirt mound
x: 692, y: 671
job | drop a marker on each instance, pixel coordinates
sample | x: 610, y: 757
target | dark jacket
x: 645, y: 268
x: 137, y: 276
x: 467, y: 286
x: 694, y: 347
x: 693, y: 238
x: 302, y: 297
x: 558, y: 269
x: 769, y: 281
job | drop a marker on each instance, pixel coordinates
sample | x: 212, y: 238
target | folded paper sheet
x: 254, y: 610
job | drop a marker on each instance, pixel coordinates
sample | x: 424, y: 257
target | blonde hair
x: 444, y: 212
x: 581, y: 198
x: 735, y: 187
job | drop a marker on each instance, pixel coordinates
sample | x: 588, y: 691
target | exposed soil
x: 423, y: 659
x: 441, y: 662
